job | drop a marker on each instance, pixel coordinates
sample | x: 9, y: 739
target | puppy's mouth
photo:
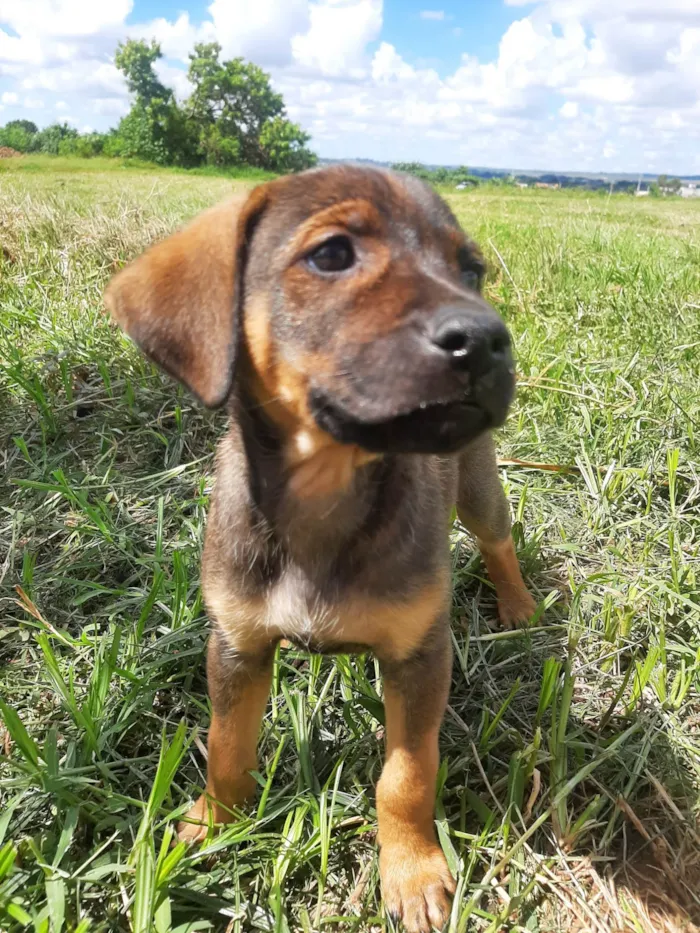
x: 438, y: 427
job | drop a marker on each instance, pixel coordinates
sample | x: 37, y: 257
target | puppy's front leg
x: 239, y: 687
x: 483, y: 510
x: 416, y: 882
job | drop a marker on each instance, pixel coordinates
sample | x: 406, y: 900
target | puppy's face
x: 362, y: 313
x: 344, y: 303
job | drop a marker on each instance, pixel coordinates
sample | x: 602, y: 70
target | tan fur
x: 232, y: 754
x: 318, y: 465
x: 394, y: 630
x: 416, y: 881
x: 515, y: 604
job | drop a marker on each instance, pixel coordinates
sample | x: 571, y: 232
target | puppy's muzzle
x: 430, y: 387
x: 474, y: 344
x: 472, y: 341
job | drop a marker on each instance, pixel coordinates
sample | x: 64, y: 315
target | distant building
x: 546, y: 184
x: 522, y: 184
x: 690, y: 190
x: 642, y: 193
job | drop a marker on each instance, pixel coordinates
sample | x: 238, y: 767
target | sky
x: 567, y: 85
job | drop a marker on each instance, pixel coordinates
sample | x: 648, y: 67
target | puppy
x: 338, y: 316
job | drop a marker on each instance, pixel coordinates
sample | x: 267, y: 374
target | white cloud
x: 574, y: 83
x: 63, y: 18
x: 261, y: 30
x: 110, y: 106
x: 338, y: 34
x: 173, y: 77
x: 569, y: 110
x: 33, y: 103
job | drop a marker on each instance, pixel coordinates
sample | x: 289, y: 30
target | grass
x: 568, y: 792
x: 63, y: 165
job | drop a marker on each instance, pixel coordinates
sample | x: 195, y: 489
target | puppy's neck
x: 317, y: 466
x: 320, y: 467
x: 300, y: 465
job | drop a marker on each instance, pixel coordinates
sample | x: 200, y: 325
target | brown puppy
x: 337, y: 313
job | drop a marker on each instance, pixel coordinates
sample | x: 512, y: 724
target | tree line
x: 440, y: 174
x: 233, y: 117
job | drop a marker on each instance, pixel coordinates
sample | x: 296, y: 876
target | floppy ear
x: 181, y: 300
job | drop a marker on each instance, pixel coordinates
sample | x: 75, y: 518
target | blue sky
x: 590, y: 85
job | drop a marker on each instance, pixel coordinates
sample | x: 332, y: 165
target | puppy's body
x: 363, y: 378
x: 320, y: 567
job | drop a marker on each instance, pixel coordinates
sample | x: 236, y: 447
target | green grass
x: 556, y: 740
x: 55, y: 165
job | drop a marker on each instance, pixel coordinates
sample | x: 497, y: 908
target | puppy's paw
x: 195, y: 826
x: 417, y: 886
x: 515, y: 608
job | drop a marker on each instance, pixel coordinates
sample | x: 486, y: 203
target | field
x: 569, y: 792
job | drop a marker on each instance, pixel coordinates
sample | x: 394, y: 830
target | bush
x: 49, y: 139
x: 83, y: 147
x: 217, y: 149
x: 14, y: 137
x: 284, y: 147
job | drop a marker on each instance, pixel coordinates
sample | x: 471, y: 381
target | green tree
x: 669, y: 185
x: 441, y: 175
x: 28, y: 126
x: 48, y: 140
x: 239, y: 115
x: 156, y: 129
x: 16, y: 138
x: 135, y: 59
x: 284, y: 146
x: 83, y: 147
x: 413, y: 168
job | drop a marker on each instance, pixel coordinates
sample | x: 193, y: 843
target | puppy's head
x: 347, y: 299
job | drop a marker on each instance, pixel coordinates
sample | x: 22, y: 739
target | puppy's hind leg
x: 483, y: 510
x: 239, y: 690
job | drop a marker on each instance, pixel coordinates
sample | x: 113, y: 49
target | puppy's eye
x: 335, y: 255
x: 471, y: 279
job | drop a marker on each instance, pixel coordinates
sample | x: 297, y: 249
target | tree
x: 413, y: 168
x: 156, y: 129
x: 241, y: 118
x: 135, y: 59
x: 84, y: 147
x: 669, y: 185
x: 441, y: 175
x: 27, y: 126
x: 14, y: 137
x: 49, y: 140
x: 284, y: 146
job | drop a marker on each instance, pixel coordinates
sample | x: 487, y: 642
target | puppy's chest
x: 291, y: 607
x: 296, y: 609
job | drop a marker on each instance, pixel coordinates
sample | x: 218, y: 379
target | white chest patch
x: 291, y: 609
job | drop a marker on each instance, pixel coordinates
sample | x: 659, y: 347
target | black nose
x: 471, y: 338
